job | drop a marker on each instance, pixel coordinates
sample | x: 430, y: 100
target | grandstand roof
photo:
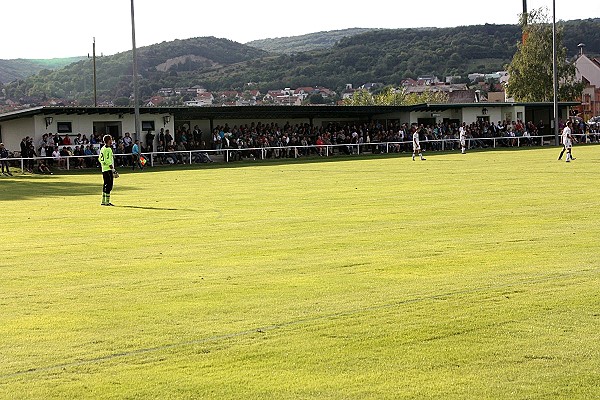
x: 263, y: 112
x: 217, y: 112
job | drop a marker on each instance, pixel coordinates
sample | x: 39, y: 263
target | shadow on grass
x: 33, y: 186
x: 155, y: 208
x: 24, y: 187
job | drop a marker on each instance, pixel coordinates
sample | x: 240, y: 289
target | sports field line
x: 528, y: 280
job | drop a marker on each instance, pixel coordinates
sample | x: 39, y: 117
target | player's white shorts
x: 416, y: 148
x: 463, y: 143
x: 568, y: 144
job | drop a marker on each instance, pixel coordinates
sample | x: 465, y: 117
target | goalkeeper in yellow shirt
x: 107, y: 162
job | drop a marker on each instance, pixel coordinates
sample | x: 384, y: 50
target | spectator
x: 150, y: 141
x: 127, y: 143
x: 23, y: 146
x: 4, y: 160
x: 120, y: 158
x: 161, y: 135
x: 135, y: 156
x: 168, y: 139
x: 160, y: 148
x: 43, y: 168
x: 88, y: 152
x: 57, y: 158
x: 79, y: 160
x: 30, y: 154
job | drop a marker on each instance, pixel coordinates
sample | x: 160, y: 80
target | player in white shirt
x: 462, y: 131
x: 567, y: 141
x: 416, y: 146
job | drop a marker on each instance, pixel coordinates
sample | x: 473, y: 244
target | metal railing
x: 261, y: 153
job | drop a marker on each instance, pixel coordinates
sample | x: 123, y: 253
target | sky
x: 42, y: 29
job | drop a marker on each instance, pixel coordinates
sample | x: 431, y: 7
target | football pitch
x: 470, y: 276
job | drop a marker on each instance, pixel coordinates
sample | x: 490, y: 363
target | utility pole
x: 136, y: 91
x: 94, y: 65
x: 555, y: 72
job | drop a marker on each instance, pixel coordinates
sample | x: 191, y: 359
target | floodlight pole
x: 94, y: 66
x: 555, y: 73
x: 136, y: 91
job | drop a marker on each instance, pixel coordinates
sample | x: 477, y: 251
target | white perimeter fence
x: 261, y: 153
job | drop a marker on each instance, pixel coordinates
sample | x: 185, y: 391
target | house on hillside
x: 269, y: 97
x: 155, y: 101
x: 54, y: 102
x: 198, y: 89
x: 348, y: 92
x: 371, y: 86
x: 409, y: 82
x: 476, y: 77
x: 326, y: 92
x: 248, y: 98
x: 185, y: 92
x: 588, y: 70
x: 452, y: 78
x: 288, y: 100
x: 201, y: 100
x: 305, y: 92
x: 166, y: 92
x: 285, y: 96
x: 255, y: 94
x: 504, y: 75
x: 427, y: 80
x: 228, y: 95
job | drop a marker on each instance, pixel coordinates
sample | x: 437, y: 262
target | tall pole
x: 95, y: 81
x: 138, y: 130
x: 555, y: 72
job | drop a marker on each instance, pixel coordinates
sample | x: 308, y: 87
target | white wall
x: 15, y: 130
x: 470, y: 114
x: 587, y: 69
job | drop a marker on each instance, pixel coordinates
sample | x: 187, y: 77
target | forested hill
x: 385, y: 56
x: 11, y: 70
x: 308, y: 42
x: 172, y: 63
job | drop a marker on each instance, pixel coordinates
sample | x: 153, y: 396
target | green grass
x: 464, y: 276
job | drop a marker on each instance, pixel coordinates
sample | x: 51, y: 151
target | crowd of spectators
x: 272, y: 140
x: 280, y: 140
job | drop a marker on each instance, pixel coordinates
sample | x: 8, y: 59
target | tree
x: 395, y: 97
x: 361, y: 97
x: 428, y: 96
x: 531, y: 74
x: 121, y: 102
x: 316, y: 99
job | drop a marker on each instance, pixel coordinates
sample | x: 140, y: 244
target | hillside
x: 11, y: 70
x: 309, y: 42
x: 385, y: 56
x: 158, y: 65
